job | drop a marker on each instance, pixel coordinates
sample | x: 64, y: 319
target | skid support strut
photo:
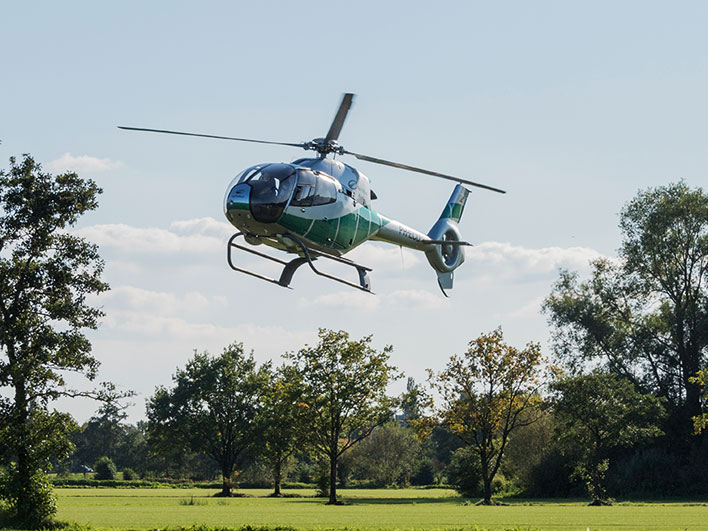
x: 305, y: 256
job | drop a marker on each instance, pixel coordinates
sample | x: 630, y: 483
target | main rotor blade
x: 338, y: 122
x: 421, y: 170
x: 211, y: 136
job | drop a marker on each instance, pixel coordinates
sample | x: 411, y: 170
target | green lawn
x: 365, y: 509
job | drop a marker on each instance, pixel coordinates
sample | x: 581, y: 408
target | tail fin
x: 445, y: 258
x: 454, y: 207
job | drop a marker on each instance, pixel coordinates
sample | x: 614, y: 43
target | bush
x: 129, y: 474
x: 105, y: 468
x: 39, y: 501
x: 425, y: 475
x: 551, y: 477
x: 322, y: 480
x: 464, y: 472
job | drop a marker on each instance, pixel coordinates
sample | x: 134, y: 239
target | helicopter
x: 321, y: 208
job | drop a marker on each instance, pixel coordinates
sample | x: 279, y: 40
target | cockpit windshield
x: 271, y: 188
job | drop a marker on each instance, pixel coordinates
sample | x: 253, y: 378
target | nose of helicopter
x: 237, y: 200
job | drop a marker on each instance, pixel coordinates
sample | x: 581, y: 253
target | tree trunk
x: 487, y: 491
x: 226, y: 482
x: 276, y: 477
x: 24, y: 471
x: 332, y: 480
x: 487, y: 482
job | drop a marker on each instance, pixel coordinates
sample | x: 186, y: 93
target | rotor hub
x: 324, y: 146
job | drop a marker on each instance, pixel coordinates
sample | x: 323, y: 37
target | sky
x: 572, y: 107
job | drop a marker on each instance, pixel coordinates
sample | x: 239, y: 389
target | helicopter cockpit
x: 267, y: 189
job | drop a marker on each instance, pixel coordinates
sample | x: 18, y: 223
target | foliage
x: 36, y: 494
x: 646, y: 316
x: 106, y: 434
x: 389, y: 456
x: 46, y: 274
x: 700, y: 422
x: 282, y: 419
x: 599, y: 412
x: 344, y: 393
x: 213, y: 408
x: 105, y: 468
x: 488, y: 393
x: 464, y: 472
x: 527, y: 447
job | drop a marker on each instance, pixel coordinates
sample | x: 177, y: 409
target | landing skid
x: 307, y: 256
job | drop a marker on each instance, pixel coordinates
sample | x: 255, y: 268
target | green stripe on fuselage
x: 341, y: 233
x: 296, y: 224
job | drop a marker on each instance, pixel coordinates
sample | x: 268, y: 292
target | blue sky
x: 570, y: 106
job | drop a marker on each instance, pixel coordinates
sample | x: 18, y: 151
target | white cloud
x: 507, y: 260
x: 155, y: 302
x: 352, y: 299
x: 418, y: 299
x: 530, y: 309
x: 385, y: 257
x: 357, y: 300
x: 82, y: 163
x: 126, y: 239
x: 204, y: 226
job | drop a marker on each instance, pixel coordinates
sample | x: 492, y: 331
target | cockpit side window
x: 325, y: 193
x: 313, y: 190
x: 305, y: 189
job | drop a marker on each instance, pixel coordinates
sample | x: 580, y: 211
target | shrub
x: 464, y: 472
x: 129, y: 474
x: 105, y: 468
x: 40, y: 503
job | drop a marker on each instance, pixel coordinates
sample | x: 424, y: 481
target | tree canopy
x: 213, y: 408
x: 344, y: 391
x: 46, y: 274
x: 645, y: 317
x: 597, y: 413
x: 487, y: 393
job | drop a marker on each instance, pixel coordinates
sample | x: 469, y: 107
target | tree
x: 46, y: 274
x: 101, y: 435
x: 645, y: 317
x: 282, y: 421
x: 344, y: 391
x: 487, y: 393
x: 213, y: 408
x: 700, y: 422
x: 597, y: 413
x: 105, y: 468
x: 389, y: 456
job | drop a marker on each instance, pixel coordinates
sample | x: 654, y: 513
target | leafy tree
x: 464, y: 471
x: 487, y: 393
x: 46, y: 274
x: 645, y: 317
x: 105, y: 468
x: 389, y: 456
x: 344, y: 391
x: 101, y: 436
x: 212, y: 408
x: 528, y: 446
x: 700, y: 422
x: 282, y: 421
x: 597, y: 413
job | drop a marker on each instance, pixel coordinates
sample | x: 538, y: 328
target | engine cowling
x: 445, y: 258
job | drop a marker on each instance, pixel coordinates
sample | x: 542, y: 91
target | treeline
x: 617, y: 410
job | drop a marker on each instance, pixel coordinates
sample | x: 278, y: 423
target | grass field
x: 365, y: 509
